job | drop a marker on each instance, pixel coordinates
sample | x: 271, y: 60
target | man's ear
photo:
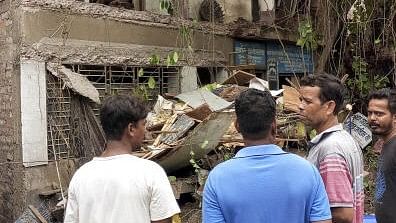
x: 131, y: 128
x: 236, y: 124
x: 331, y: 105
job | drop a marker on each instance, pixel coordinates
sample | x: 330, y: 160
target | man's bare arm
x: 342, y: 215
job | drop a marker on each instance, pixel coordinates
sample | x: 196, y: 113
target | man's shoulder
x: 299, y: 163
x: 338, y: 142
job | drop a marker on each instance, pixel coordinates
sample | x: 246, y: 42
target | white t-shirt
x: 119, y: 189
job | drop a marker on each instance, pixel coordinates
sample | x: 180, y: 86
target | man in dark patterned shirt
x: 382, y: 120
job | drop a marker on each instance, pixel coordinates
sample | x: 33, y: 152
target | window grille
x: 108, y: 80
x: 58, y: 118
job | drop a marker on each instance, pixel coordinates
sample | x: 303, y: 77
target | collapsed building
x: 59, y: 58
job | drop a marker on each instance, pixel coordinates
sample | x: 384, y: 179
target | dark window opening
x: 207, y: 75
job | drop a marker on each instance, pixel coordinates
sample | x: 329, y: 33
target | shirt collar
x: 335, y: 128
x: 269, y: 149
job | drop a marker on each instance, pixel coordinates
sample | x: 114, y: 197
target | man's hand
x: 342, y: 215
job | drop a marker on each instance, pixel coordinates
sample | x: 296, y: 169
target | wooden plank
x: 37, y: 214
x: 291, y: 98
x: 49, y: 192
x: 200, y: 113
x: 182, y: 124
x: 240, y: 78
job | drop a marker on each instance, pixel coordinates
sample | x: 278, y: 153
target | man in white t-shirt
x: 117, y: 186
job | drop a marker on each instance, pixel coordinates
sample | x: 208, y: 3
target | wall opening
x: 70, y: 121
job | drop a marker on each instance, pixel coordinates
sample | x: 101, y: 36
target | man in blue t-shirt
x: 262, y: 183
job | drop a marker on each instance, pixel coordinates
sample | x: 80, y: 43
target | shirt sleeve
x: 71, y: 214
x: 163, y: 202
x: 337, y: 180
x: 320, y: 209
x: 211, y: 211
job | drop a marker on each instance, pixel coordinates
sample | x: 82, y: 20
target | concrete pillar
x: 194, y: 6
x: 267, y: 12
x: 188, y: 79
x: 34, y: 113
x: 221, y: 75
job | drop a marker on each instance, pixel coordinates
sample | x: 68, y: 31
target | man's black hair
x: 331, y: 88
x: 385, y: 93
x: 117, y: 112
x: 255, y: 112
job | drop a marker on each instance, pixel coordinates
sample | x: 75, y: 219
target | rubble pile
x: 200, y: 121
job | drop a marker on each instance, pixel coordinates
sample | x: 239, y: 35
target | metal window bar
x: 110, y: 80
x: 58, y: 113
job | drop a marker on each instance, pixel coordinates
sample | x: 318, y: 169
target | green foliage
x: 172, y: 179
x: 140, y: 72
x: 151, y: 83
x: 204, y: 144
x: 154, y: 59
x: 370, y: 165
x: 307, y: 36
x: 363, y: 83
x: 166, y: 5
x: 185, y: 34
x: 193, y: 162
x: 141, y: 92
x: 211, y: 87
x: 172, y: 59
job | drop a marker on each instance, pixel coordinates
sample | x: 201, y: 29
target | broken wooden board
x: 200, y: 113
x: 205, y: 137
x: 239, y: 77
x: 291, y: 98
x: 37, y: 214
x: 182, y: 124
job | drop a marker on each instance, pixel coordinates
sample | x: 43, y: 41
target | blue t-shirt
x: 265, y: 184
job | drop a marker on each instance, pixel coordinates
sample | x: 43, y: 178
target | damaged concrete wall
x: 193, y: 10
x: 234, y: 9
x: 107, y: 30
x: 45, y: 178
x: 11, y: 168
x: 25, y: 24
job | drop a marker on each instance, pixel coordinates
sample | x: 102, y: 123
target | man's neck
x: 114, y: 148
x: 266, y: 141
x: 389, y: 136
x: 333, y: 121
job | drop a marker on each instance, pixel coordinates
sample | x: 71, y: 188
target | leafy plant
x: 193, y: 162
x: 307, y: 36
x: 140, y: 72
x: 154, y: 59
x: 172, y: 59
x: 151, y: 83
x: 141, y: 92
x: 363, y: 82
x: 166, y: 5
